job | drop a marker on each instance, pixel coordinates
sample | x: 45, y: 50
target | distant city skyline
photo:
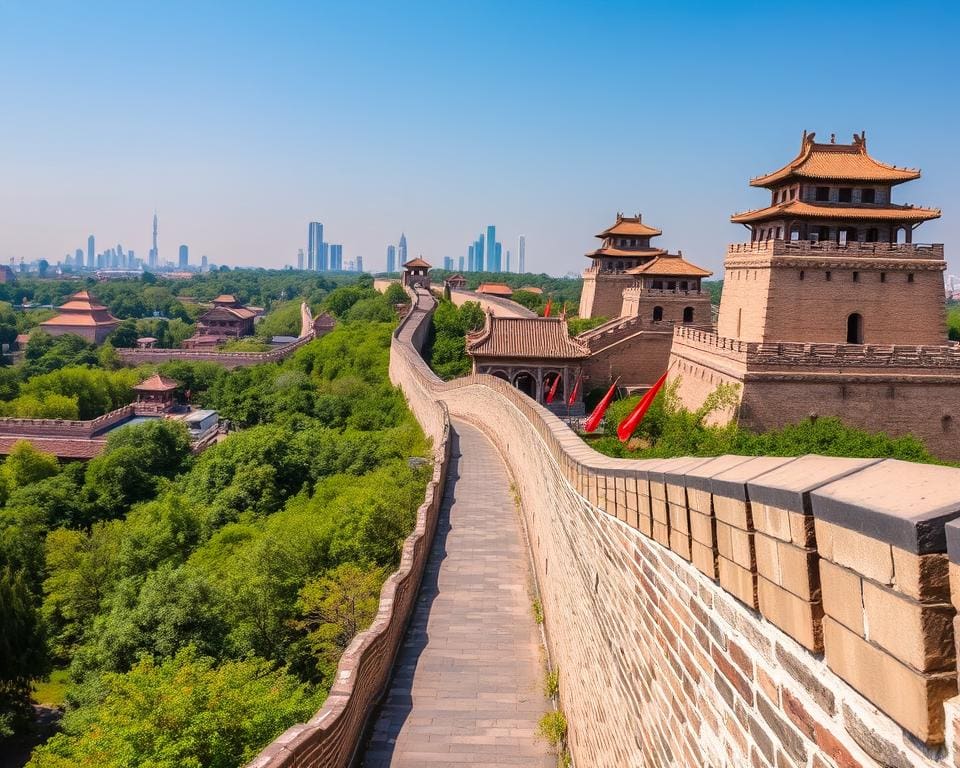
x: 261, y: 160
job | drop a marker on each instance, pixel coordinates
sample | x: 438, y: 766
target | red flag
x: 553, y: 389
x: 546, y: 312
x: 576, y: 391
x: 594, y: 421
x: 626, y: 427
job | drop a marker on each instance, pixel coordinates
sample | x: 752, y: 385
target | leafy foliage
x: 447, y: 350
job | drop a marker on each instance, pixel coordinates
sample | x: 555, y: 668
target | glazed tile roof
x: 81, y: 310
x: 495, y: 289
x: 226, y: 298
x: 803, y: 209
x: 417, y: 263
x: 838, y: 162
x: 531, y: 289
x: 628, y: 226
x: 669, y: 265
x: 525, y: 337
x: 157, y: 383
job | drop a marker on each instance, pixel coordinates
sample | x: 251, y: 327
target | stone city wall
x: 226, y: 359
x: 333, y: 737
x: 64, y: 428
x: 495, y: 304
x: 746, y: 611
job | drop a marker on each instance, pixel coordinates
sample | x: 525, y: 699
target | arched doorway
x: 548, y: 381
x: 688, y: 314
x: 526, y: 383
x: 657, y: 314
x: 855, y: 328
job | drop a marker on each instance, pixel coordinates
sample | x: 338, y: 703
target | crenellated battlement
x: 814, y: 249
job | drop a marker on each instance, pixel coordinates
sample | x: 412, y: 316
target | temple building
x: 529, y: 353
x: 667, y: 288
x: 456, y: 282
x: 502, y: 290
x: 155, y: 394
x: 227, y: 319
x: 831, y: 308
x: 83, y: 316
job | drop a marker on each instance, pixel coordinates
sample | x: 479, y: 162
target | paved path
x: 467, y: 686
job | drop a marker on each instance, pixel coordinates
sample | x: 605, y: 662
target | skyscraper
x: 154, y: 257
x: 448, y: 263
x: 478, y: 254
x: 496, y: 257
x: 184, y: 256
x: 314, y: 245
x: 205, y: 265
x: 492, y: 265
x: 359, y: 263
x: 391, y: 259
x: 522, y: 254
x: 402, y: 249
x: 508, y: 261
x: 299, y: 259
x: 324, y: 263
x: 78, y: 259
x: 91, y: 253
x: 336, y: 257
x: 470, y: 258
x: 461, y: 263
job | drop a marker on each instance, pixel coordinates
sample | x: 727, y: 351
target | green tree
x: 182, y: 712
x: 22, y: 650
x: 124, y: 335
x: 25, y: 465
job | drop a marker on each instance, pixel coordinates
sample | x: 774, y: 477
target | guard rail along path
x: 747, y: 611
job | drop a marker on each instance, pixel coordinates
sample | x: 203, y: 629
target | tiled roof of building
x: 495, y: 289
x: 836, y: 162
x: 669, y: 265
x: 531, y: 289
x: 630, y: 226
x: 81, y: 310
x: 623, y: 253
x: 226, y: 298
x: 157, y: 383
x: 802, y: 209
x: 417, y: 263
x: 525, y: 337
x: 61, y: 447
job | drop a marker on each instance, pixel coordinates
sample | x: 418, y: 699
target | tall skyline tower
x: 508, y: 261
x: 522, y: 254
x: 497, y: 252
x: 300, y: 259
x: 470, y: 258
x: 91, y: 252
x: 336, y: 257
x: 154, y: 256
x: 402, y: 249
x: 184, y: 257
x: 359, y: 263
x: 314, y: 245
x: 391, y: 258
x: 492, y: 265
x: 478, y: 254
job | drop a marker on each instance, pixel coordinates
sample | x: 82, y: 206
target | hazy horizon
x: 240, y: 124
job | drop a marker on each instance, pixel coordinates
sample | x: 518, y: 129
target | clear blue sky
x: 241, y: 122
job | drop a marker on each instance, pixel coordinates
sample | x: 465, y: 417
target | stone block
x: 913, y: 699
x: 679, y: 518
x: 661, y: 533
x: 734, y: 512
x: 658, y: 509
x: 842, y: 594
x: 701, y: 528
x: 801, y: 619
x: 860, y: 552
x: 732, y: 484
x: 738, y: 581
x: 701, y: 501
x: 917, y: 634
x: 704, y: 558
x: 680, y: 543
x: 735, y: 544
x: 787, y: 566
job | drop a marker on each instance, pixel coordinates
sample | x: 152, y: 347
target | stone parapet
x: 226, y: 359
x: 926, y: 251
x: 64, y: 428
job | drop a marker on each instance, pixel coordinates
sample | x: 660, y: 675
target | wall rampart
x: 747, y: 611
x: 64, y: 428
x: 226, y: 359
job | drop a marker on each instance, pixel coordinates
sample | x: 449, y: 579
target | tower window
x: 855, y: 328
x: 868, y: 195
x: 688, y: 314
x: 823, y: 194
x: 883, y: 277
x: 910, y: 277
x: 657, y: 314
x: 845, y: 194
x: 856, y: 277
x: 829, y: 275
x: 801, y: 274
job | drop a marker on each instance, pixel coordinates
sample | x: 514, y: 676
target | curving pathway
x: 467, y: 685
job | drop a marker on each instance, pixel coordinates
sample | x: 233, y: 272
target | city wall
x: 730, y: 611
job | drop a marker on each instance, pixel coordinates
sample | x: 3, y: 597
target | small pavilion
x: 529, y: 352
x: 495, y: 289
x: 83, y: 316
x: 155, y: 394
x: 417, y: 272
x: 456, y: 282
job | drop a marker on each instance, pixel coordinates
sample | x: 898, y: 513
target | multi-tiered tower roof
x: 835, y: 192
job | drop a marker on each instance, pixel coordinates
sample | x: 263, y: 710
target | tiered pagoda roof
x: 837, y: 162
x: 627, y: 228
x: 82, y: 310
x: 157, y: 383
x: 669, y: 265
x: 525, y: 337
x: 800, y: 209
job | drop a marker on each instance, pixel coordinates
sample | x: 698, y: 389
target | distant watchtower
x: 625, y: 245
x: 831, y: 258
x: 417, y: 272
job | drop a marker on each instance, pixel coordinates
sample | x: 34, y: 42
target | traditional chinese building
x: 83, y: 316
x: 625, y: 245
x: 831, y: 309
x: 227, y: 319
x: 155, y: 394
x: 502, y: 290
x: 667, y: 288
x: 456, y: 282
x: 529, y: 352
x: 417, y: 272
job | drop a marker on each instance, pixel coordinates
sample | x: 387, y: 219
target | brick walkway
x: 467, y: 686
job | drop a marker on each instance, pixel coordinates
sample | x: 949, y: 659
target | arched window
x: 688, y: 314
x: 525, y: 383
x: 855, y: 328
x: 657, y: 314
x: 901, y: 235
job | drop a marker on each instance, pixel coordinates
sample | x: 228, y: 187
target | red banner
x: 626, y: 427
x: 594, y: 421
